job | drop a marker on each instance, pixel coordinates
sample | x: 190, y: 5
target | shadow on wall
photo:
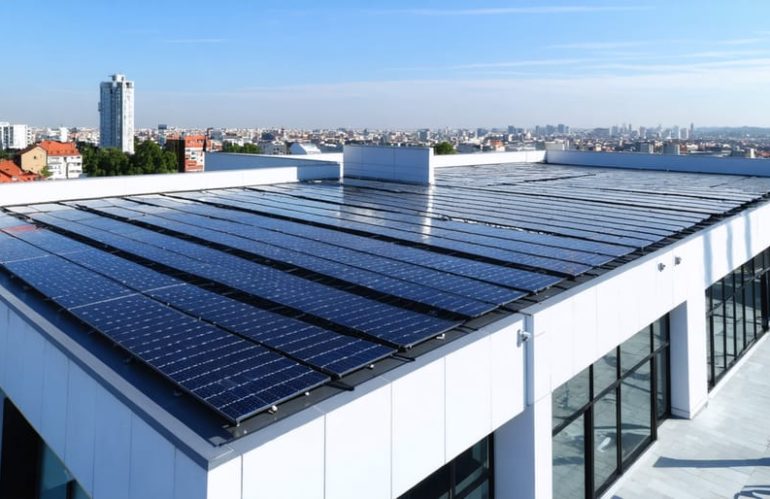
x: 732, y: 260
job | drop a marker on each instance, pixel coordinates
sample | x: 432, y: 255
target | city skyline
x: 590, y: 64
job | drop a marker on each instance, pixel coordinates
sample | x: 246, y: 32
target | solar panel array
x: 245, y: 298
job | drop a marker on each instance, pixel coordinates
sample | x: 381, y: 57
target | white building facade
x: 554, y: 395
x: 13, y: 136
x: 116, y: 113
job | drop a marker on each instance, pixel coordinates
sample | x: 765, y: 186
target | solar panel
x: 403, y: 232
x: 321, y: 348
x: 396, y: 279
x: 395, y: 325
x: 448, y: 265
x: 234, y: 377
x: 67, y: 284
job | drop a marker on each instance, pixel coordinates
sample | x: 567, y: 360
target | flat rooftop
x: 234, y: 307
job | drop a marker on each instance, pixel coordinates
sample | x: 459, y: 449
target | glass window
x: 730, y: 331
x: 569, y: 461
x: 570, y: 397
x: 657, y: 334
x: 471, y: 466
x: 468, y: 475
x: 636, y: 410
x: 436, y: 486
x: 605, y: 439
x: 605, y: 371
x: 718, y: 334
x: 661, y: 368
x: 635, y: 349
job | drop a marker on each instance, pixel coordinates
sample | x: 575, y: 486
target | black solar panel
x: 66, y: 283
x: 402, y: 232
x: 448, y: 265
x: 396, y: 279
x: 321, y: 348
x: 389, y: 323
x: 232, y: 376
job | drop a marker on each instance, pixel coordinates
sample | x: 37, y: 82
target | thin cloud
x: 496, y: 11
x: 494, y: 65
x: 597, y: 45
x: 194, y: 41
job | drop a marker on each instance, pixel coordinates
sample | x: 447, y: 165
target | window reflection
x: 569, y: 461
x: 737, y: 314
x: 601, y: 427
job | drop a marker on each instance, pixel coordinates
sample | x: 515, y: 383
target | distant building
x: 11, y: 172
x: 304, y: 148
x: 116, y: 114
x: 64, y: 161
x: 13, y: 136
x: 647, y: 147
x: 189, y: 151
x: 274, y: 147
x: 33, y: 159
x: 671, y: 148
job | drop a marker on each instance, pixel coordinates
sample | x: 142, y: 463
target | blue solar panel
x: 400, y: 231
x: 66, y: 283
x: 234, y: 377
x: 11, y: 249
x: 321, y: 348
x: 386, y: 322
x: 340, y: 263
x: 453, y: 269
x: 449, y: 229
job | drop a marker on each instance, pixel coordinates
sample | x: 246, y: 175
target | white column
x: 524, y: 454
x: 689, y: 370
x: 524, y: 445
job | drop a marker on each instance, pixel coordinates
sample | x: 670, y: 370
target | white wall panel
x: 418, y: 425
x: 31, y: 396
x: 190, y: 480
x: 507, y: 374
x: 488, y: 158
x: 152, y: 463
x: 53, y: 427
x: 5, y: 321
x: 586, y: 330
x: 81, y: 427
x: 224, y: 481
x: 14, y: 361
x: 112, y: 448
x: 83, y: 188
x: 278, y: 470
x: 468, y: 396
x: 358, y: 444
x: 699, y: 164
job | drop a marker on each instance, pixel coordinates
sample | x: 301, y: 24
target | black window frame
x: 587, y: 410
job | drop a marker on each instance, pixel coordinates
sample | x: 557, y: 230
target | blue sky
x: 247, y: 63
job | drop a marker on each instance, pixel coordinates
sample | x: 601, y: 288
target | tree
x: 245, y: 149
x: 444, y: 148
x: 150, y: 158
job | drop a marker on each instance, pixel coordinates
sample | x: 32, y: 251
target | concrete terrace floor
x: 724, y: 452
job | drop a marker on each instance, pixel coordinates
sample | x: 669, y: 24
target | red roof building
x: 10, y: 172
x: 53, y: 148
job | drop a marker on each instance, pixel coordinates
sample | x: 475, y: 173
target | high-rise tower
x: 116, y: 114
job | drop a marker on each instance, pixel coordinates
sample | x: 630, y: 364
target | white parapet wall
x: 224, y: 161
x: 64, y: 190
x: 401, y: 164
x: 488, y: 158
x: 416, y: 165
x: 665, y: 162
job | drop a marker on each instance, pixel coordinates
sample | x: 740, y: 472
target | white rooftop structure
x: 508, y: 325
